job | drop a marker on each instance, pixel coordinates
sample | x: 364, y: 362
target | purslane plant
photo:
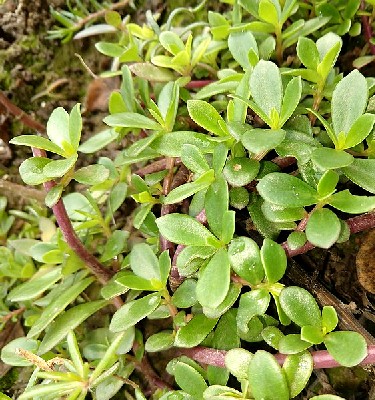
x: 195, y: 156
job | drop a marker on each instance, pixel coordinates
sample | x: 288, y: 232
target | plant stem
x: 367, y: 29
x: 198, y: 84
x: 322, y: 359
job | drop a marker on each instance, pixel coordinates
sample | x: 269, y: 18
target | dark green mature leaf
x: 240, y: 171
x: 359, y: 130
x: 67, y: 322
x: 347, y: 202
x: 251, y: 304
x: 300, y: 306
x: 276, y: 213
x: 171, y: 144
x: 213, y: 282
x: 260, y: 140
x: 194, y: 332
x: 185, y: 295
x: 244, y: 256
x: 192, y: 257
x: 231, y: 297
x: 347, y: 348
x: 273, y: 259
x: 266, y: 88
x: 362, y: 172
x: 190, y: 380
x: 323, y: 228
x: 286, y: 190
x: 134, y: 311
x: 239, y: 44
x: 266, y: 377
x: 327, y: 158
x: 216, y: 204
x: 182, y: 229
x: 205, y: 115
x: 348, y: 104
x: 114, y: 245
x: 327, y: 183
x: 57, y: 305
x: 298, y: 369
x: 144, y: 262
x: 193, y: 159
x: 188, y: 189
x: 159, y: 341
x: 131, y: 120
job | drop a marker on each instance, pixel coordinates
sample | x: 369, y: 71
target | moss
x: 9, y: 379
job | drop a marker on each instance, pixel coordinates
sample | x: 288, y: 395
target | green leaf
x: 58, y: 168
x: 293, y: 344
x: 213, y: 282
x: 57, y: 305
x: 237, y: 361
x: 272, y: 336
x: 362, y: 172
x: 286, y: 190
x: 244, y: 256
x: 266, y: 377
x: 239, y: 197
x: 58, y: 128
x: 117, y: 196
x: 329, y: 46
x: 9, y: 355
x: 347, y: 104
x: 327, y: 397
x: 144, y: 262
x: 347, y: 348
x: 323, y: 228
x: 67, y: 322
x: 110, y: 49
x: 185, y: 295
x: 194, y: 332
x: 31, y: 170
x: 39, y: 142
x: 273, y: 259
x: 260, y: 140
x: 76, y: 204
x: 134, y: 311
x: 239, y: 171
x: 35, y: 286
x: 42, y: 390
x: 171, y: 42
x: 183, y: 229
x: 206, y: 116
x: 92, y: 174
x: 131, y: 281
x: 308, y: 53
x: 53, y: 195
x: 131, y: 120
x: 296, y: 240
x: 298, y: 369
x: 268, y: 12
x: 329, y: 318
x: 189, y: 379
x: 239, y: 44
x: 114, y: 245
x: 266, y: 87
x: 192, y: 257
x: 216, y: 204
x: 347, y: 202
x: 231, y: 297
x: 327, y: 158
x: 75, y: 126
x: 312, y: 334
x: 359, y: 130
x: 251, y: 304
x: 98, y: 141
x: 300, y: 306
x: 193, y: 159
x: 327, y: 183
x: 151, y: 73
x: 291, y: 99
x: 188, y: 189
x: 171, y: 144
x: 159, y: 341
x: 277, y: 213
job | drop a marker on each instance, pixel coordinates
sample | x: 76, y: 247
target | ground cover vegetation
x: 220, y: 115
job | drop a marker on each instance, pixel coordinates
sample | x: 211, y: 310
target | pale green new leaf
x: 39, y: 142
x: 298, y: 369
x: 131, y: 120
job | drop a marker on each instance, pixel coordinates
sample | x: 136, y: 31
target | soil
x: 30, y: 64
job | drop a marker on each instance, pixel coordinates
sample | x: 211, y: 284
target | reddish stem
x: 322, y: 359
x: 367, y: 29
x: 198, y: 84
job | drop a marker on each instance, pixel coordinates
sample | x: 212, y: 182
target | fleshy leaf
x: 362, y: 172
x: 347, y: 202
x: 323, y: 228
x: 273, y: 259
x: 194, y: 332
x: 327, y: 158
x: 298, y: 369
x: 260, y: 140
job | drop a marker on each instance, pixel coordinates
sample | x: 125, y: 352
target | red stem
x: 367, y: 29
x: 322, y: 359
x: 198, y: 84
